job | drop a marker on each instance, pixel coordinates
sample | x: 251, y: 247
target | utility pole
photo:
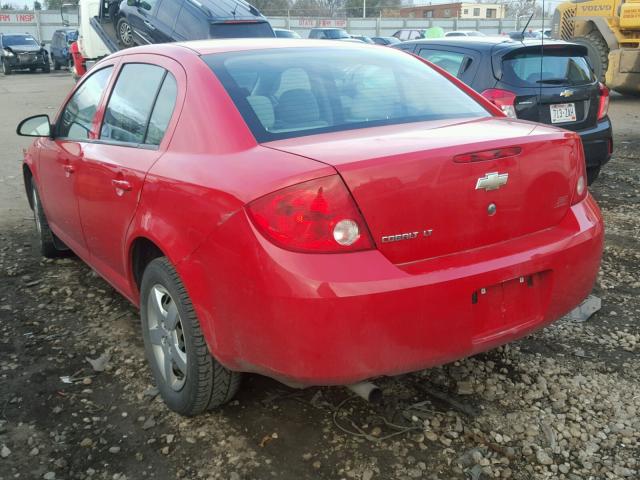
x: 364, y: 8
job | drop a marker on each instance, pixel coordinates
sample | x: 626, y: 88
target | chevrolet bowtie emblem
x: 566, y: 93
x: 492, y: 181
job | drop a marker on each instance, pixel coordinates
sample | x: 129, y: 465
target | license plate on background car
x: 563, y: 112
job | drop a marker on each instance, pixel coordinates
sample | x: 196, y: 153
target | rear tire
x: 598, y: 51
x: 56, y: 65
x: 190, y: 380
x: 47, y: 240
x: 592, y: 174
x: 125, y: 33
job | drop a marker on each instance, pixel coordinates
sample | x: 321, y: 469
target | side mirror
x: 36, y: 126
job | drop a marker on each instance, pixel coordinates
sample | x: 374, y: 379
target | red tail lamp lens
x: 603, y: 107
x: 503, y: 99
x: 317, y: 216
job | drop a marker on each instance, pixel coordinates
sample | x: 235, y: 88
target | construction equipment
x: 610, y: 29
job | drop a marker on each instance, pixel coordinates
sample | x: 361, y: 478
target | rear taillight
x: 503, y: 99
x: 603, y: 107
x: 317, y: 216
x: 580, y: 191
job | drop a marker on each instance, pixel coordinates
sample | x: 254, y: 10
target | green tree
x: 7, y: 6
x: 37, y: 5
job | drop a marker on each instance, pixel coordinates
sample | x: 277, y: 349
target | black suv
x: 548, y: 82
x: 158, y: 21
x: 22, y: 52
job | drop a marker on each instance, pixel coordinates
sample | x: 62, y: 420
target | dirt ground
x: 563, y: 403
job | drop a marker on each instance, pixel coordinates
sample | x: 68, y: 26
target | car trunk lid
x: 421, y: 199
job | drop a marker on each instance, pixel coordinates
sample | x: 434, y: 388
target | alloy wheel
x: 125, y: 33
x: 167, y: 337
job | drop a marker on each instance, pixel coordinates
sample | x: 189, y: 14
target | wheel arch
x: 586, y: 25
x: 142, y: 250
x: 28, y: 180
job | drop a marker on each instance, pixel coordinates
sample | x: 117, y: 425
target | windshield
x: 529, y: 69
x: 19, y: 41
x: 333, y: 34
x: 291, y: 92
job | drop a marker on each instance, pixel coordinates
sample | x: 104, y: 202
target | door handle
x: 149, y: 25
x: 68, y: 170
x: 121, y: 185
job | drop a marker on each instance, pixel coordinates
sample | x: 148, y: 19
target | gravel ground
x: 563, y: 403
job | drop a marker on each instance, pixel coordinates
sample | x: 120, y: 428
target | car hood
x: 25, y: 48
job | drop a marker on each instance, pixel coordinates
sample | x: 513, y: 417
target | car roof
x: 229, y: 9
x: 218, y: 45
x: 486, y: 43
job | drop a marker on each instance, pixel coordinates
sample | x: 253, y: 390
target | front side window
x: 449, y: 61
x: 299, y: 91
x: 127, y: 114
x: 77, y: 117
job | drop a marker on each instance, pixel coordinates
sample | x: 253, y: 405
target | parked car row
x: 24, y: 52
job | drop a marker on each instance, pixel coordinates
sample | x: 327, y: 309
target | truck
x: 610, y: 29
x: 106, y: 26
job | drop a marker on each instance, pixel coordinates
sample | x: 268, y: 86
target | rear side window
x: 449, y: 61
x: 77, y: 116
x: 300, y: 91
x: 132, y: 100
x: 191, y: 25
x: 168, y: 11
x: 534, y: 70
x: 162, y: 111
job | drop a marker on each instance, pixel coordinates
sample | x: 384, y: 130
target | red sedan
x: 319, y: 213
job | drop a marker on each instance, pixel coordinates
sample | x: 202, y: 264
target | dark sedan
x: 22, y: 52
x: 551, y: 82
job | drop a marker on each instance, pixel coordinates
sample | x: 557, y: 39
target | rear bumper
x: 597, y: 143
x: 338, y: 319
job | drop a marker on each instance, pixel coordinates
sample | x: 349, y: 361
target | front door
x: 59, y: 159
x: 114, y: 167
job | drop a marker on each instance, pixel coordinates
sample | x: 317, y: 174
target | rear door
x: 556, y: 88
x: 133, y: 136
x: 142, y: 21
x: 164, y: 20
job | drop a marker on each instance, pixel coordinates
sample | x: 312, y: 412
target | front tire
x: 125, y: 33
x: 190, y: 380
x: 56, y: 65
x: 46, y: 68
x: 46, y: 238
x: 6, y: 68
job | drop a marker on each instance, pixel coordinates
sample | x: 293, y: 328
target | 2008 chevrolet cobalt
x: 319, y: 213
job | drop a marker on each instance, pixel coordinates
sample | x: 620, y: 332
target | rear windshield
x: 291, y: 92
x: 530, y: 70
x: 241, y: 30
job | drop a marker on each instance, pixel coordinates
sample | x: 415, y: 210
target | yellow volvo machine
x: 610, y: 29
